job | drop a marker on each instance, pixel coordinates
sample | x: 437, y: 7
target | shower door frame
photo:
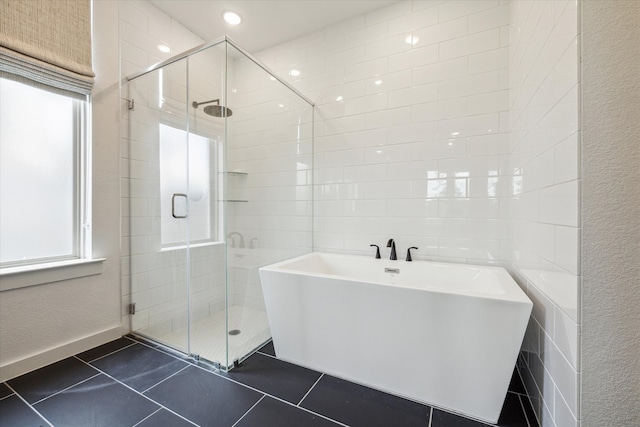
x: 227, y: 364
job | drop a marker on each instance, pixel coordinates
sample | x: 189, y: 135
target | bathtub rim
x: 514, y: 294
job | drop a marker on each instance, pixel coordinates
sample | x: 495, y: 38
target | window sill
x: 39, y: 274
x: 192, y: 246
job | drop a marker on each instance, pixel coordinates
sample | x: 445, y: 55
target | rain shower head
x: 214, y: 110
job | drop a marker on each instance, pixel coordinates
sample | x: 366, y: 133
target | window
x: 44, y: 204
x: 186, y: 187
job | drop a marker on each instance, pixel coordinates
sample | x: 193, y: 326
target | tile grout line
x: 309, y: 391
x: 8, y: 395
x: 148, y: 416
x: 113, y: 352
x: 430, y: 416
x: 249, y: 410
x: 65, y: 389
x: 140, y: 394
x: 275, y: 397
x: 161, y: 381
x: 219, y: 374
x: 524, y: 412
x: 29, y: 405
x: 266, y: 354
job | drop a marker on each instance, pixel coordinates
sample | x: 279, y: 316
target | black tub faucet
x: 409, y: 253
x: 391, y: 244
x: 377, y: 251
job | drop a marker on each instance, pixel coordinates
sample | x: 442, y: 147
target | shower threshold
x: 209, y: 336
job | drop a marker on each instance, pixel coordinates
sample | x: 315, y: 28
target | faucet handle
x: 377, y: 251
x: 409, y: 253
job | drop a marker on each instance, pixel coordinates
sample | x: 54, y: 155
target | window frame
x: 79, y: 263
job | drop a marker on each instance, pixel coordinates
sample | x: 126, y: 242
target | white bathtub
x: 444, y: 334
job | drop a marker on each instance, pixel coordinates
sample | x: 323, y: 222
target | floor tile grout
x: 113, y: 352
x: 67, y: 388
x: 8, y: 395
x: 148, y: 416
x: 267, y: 354
x: 29, y: 405
x: 161, y: 381
x: 219, y: 373
x: 309, y: 391
x: 137, y: 392
x: 526, y: 418
x: 249, y: 410
x: 274, y: 397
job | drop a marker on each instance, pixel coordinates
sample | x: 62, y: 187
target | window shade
x: 47, y: 41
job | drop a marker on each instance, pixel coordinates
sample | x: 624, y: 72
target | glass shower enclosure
x: 220, y: 154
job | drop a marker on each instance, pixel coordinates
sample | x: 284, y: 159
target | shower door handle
x: 173, y: 205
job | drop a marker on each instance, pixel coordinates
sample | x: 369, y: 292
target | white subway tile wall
x: 408, y: 128
x: 545, y: 221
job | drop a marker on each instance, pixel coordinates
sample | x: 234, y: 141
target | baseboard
x: 36, y: 361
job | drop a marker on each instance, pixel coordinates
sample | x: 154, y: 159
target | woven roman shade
x: 48, y: 42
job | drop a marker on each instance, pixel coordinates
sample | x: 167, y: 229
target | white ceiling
x: 265, y: 23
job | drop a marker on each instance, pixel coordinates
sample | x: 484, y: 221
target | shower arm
x: 195, y: 104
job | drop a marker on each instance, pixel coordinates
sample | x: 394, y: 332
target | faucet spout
x: 235, y: 233
x: 391, y: 244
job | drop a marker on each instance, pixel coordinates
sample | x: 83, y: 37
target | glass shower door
x: 159, y: 208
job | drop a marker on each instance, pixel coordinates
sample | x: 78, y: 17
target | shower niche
x: 219, y: 185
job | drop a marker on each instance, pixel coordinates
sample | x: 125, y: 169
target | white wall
x: 544, y: 146
x: 610, y: 213
x: 42, y: 324
x: 411, y: 141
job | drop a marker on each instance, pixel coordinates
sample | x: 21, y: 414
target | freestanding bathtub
x: 444, y: 334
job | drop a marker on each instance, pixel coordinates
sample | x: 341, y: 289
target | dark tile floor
x: 133, y: 383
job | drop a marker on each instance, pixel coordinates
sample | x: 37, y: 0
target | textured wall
x: 610, y: 213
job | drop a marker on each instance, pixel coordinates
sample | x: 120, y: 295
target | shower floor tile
x: 262, y: 391
x: 209, y: 335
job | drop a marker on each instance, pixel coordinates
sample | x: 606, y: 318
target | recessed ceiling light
x: 455, y: 133
x: 339, y: 99
x: 411, y: 39
x: 294, y: 72
x: 378, y: 82
x: 232, y: 18
x: 164, y: 48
